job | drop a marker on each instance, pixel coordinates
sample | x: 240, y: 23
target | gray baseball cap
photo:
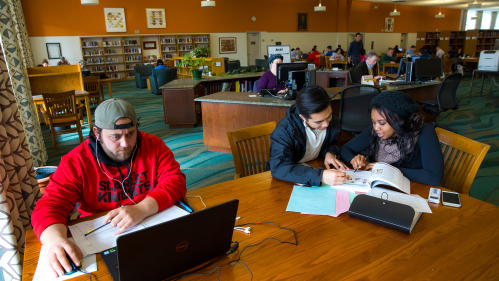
x: 109, y: 111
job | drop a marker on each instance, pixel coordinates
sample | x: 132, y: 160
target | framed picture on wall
x: 227, y: 45
x: 389, y: 23
x: 54, y: 50
x: 156, y: 18
x: 302, y: 22
x: 149, y: 45
x: 115, y: 19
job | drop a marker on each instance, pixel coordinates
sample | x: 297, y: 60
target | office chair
x: 255, y: 86
x: 446, y: 98
x: 350, y: 77
x: 355, y: 102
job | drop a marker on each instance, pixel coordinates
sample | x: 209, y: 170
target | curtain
x: 20, y: 84
x: 22, y: 33
x: 18, y: 185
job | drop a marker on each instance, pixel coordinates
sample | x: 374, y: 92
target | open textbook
x: 382, y: 175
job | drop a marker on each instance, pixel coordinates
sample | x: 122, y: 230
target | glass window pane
x: 470, y: 24
x: 497, y: 21
x: 486, y: 19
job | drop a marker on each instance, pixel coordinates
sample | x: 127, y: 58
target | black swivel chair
x: 350, y: 74
x: 446, y: 98
x: 355, y: 102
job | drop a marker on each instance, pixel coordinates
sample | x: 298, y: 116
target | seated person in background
x: 396, y: 50
x: 457, y: 58
x: 308, y: 131
x: 293, y: 54
x: 367, y: 67
x: 339, y: 48
x: 410, y: 52
x: 315, y: 56
x: 423, y: 54
x: 400, y: 138
x: 329, y: 51
x: 388, y: 58
x: 45, y: 63
x: 458, y: 54
x: 63, y: 61
x: 83, y: 65
x: 160, y: 65
x: 297, y: 53
x: 116, y: 166
x: 440, y: 53
x: 337, y: 55
x: 269, y: 78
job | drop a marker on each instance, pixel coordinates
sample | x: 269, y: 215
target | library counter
x: 228, y: 111
x: 192, y: 83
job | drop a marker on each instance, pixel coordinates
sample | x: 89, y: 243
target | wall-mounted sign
x: 417, y: 39
x: 467, y: 38
x: 422, y: 38
x: 473, y: 38
x: 441, y: 38
x: 446, y: 38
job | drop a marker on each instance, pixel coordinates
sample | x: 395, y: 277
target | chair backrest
x: 60, y: 105
x: 350, y: 75
x: 143, y: 70
x: 255, y: 86
x: 322, y: 61
x: 251, y: 148
x: 446, y: 95
x: 263, y: 64
x: 91, y: 84
x: 164, y: 76
x: 462, y: 158
x: 447, y: 63
x: 355, y: 102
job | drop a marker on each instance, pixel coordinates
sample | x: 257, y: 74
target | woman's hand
x: 331, y: 159
x: 358, y: 161
x: 370, y: 166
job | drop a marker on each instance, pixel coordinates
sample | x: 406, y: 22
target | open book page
x: 383, y: 173
x: 355, y: 181
x: 419, y: 204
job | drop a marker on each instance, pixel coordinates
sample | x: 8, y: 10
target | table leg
x: 89, y: 114
x: 491, y: 81
x: 471, y: 83
x: 481, y: 86
x: 110, y: 90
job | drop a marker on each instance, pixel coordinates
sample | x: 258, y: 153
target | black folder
x: 383, y: 212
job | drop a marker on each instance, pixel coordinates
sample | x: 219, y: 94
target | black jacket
x: 288, y: 146
x: 362, y: 70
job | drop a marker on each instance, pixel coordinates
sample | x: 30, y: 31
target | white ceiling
x: 455, y: 4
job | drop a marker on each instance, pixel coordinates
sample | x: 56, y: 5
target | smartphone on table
x: 451, y: 199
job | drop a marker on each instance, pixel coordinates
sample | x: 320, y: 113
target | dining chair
x: 60, y: 110
x: 462, y: 158
x: 91, y: 84
x: 251, y: 148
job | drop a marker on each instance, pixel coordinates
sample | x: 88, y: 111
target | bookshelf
x: 480, y: 39
x: 428, y: 40
x: 117, y: 55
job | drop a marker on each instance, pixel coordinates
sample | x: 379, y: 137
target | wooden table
x: 450, y: 244
x: 396, y: 65
x: 108, y: 83
x: 331, y: 62
x: 38, y: 99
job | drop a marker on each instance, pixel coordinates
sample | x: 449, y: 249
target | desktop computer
x: 295, y: 77
x: 428, y: 69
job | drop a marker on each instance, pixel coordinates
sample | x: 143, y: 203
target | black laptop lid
x: 164, y: 250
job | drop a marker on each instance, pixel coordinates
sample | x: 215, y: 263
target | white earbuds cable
x: 129, y: 172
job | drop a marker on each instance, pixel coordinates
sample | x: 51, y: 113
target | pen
x: 359, y: 166
x: 125, y: 204
x: 97, y: 228
x: 185, y: 206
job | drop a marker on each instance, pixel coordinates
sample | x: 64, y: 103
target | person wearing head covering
x: 117, y: 169
x: 400, y: 138
x: 269, y: 78
x: 160, y: 65
x: 63, y: 61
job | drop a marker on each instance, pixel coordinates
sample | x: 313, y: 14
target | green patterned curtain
x: 20, y: 83
x: 18, y: 185
x: 22, y: 33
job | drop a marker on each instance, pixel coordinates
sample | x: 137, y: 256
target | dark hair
x: 160, y: 62
x: 406, y: 129
x: 329, y: 47
x: 292, y: 49
x: 339, y: 46
x: 99, y: 130
x: 422, y: 50
x: 357, y: 34
x: 413, y: 46
x: 312, y: 99
x: 297, y: 48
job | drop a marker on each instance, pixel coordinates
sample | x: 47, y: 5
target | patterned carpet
x: 477, y: 118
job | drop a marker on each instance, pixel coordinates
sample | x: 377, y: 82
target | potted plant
x: 202, y: 51
x: 190, y: 61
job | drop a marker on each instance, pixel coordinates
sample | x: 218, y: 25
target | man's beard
x: 116, y: 157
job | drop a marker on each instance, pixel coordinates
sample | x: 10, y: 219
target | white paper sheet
x: 415, y: 201
x: 43, y: 273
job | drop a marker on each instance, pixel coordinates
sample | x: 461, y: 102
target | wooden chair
x: 60, y: 110
x: 322, y: 62
x: 447, y: 63
x: 251, y: 148
x: 462, y: 158
x: 91, y: 84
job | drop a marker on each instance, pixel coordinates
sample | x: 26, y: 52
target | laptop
x: 166, y: 249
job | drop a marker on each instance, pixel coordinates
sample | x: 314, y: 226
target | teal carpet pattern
x: 477, y: 118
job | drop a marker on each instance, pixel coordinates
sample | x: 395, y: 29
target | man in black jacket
x: 309, y: 131
x: 367, y: 67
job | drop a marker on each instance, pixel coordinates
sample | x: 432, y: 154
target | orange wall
x: 69, y: 17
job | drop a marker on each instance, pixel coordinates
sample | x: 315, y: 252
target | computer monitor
x: 415, y: 58
x: 283, y: 70
x: 85, y: 73
x: 400, y: 49
x: 402, y: 66
x: 426, y: 68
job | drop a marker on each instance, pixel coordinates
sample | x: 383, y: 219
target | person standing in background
x: 354, y: 50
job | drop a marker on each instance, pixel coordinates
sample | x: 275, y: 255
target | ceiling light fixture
x: 475, y: 5
x: 395, y: 13
x: 90, y: 2
x: 320, y: 8
x: 207, y: 3
x: 440, y: 16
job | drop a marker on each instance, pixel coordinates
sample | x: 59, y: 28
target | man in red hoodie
x: 119, y: 170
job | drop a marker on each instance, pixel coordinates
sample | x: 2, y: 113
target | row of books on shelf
x: 185, y: 40
x: 93, y: 53
x: 201, y: 40
x: 168, y: 49
x: 115, y: 76
x: 130, y: 42
x: 111, y: 43
x: 168, y: 56
x: 97, y: 69
x: 185, y: 48
x: 432, y: 35
x: 133, y: 50
x: 130, y: 66
x: 168, y: 41
x: 131, y: 74
x: 493, y: 34
x: 95, y: 61
x: 110, y: 52
x: 133, y: 58
x: 244, y: 86
x: 90, y: 44
x: 111, y: 68
x: 112, y: 60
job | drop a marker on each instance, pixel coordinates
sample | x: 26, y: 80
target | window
x: 497, y: 21
x: 486, y: 19
x: 470, y: 24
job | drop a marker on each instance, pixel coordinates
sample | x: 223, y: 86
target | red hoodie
x: 78, y: 179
